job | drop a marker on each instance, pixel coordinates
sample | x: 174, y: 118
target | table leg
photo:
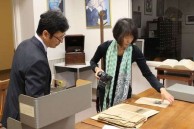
x: 190, y: 82
x: 78, y: 76
x: 163, y: 81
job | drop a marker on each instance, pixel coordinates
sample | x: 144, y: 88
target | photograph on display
x: 148, y: 7
x: 56, y: 5
x: 93, y: 9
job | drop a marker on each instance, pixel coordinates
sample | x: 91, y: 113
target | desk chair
x: 3, y: 91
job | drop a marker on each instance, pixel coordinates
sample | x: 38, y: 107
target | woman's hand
x: 97, y: 70
x: 166, y: 95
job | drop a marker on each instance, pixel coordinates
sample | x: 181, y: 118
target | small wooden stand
x: 175, y: 74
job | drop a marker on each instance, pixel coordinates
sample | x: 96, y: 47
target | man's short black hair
x: 52, y: 21
x: 124, y: 27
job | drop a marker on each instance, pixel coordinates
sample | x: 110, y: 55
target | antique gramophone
x: 74, y: 50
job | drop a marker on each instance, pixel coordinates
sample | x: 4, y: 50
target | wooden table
x: 179, y: 115
x: 175, y: 74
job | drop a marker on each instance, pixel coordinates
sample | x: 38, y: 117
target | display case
x: 163, y: 40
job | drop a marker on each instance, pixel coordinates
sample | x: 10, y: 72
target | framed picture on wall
x: 56, y: 5
x: 189, y: 20
x: 93, y: 9
x: 148, y: 7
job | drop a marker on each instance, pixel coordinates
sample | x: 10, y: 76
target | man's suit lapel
x: 39, y: 45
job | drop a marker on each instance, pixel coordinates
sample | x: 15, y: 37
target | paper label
x: 27, y: 109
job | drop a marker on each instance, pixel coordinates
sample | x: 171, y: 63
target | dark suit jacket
x: 30, y: 75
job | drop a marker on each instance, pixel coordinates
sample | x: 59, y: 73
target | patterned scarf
x: 124, y: 76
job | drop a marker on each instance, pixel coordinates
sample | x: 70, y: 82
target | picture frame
x: 189, y: 19
x: 56, y: 5
x: 93, y: 8
x: 148, y: 7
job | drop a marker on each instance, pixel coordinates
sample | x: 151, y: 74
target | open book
x: 125, y: 115
x: 184, y: 64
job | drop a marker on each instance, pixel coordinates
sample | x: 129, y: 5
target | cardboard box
x: 182, y: 92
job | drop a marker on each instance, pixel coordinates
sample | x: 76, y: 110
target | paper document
x: 136, y: 109
x: 152, y: 102
x: 125, y: 115
x: 113, y: 127
x: 95, y: 117
x: 109, y: 127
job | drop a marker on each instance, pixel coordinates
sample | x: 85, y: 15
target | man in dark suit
x: 30, y: 72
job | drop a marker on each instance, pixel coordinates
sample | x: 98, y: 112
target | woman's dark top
x: 137, y: 56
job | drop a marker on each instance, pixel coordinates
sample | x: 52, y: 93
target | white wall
x: 187, y: 8
x: 139, y: 83
x: 26, y: 17
x: 29, y: 12
x: 23, y: 20
x: 75, y: 13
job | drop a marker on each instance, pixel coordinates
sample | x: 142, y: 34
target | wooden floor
x: 4, y: 74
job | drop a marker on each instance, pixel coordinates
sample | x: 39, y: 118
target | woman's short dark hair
x: 52, y: 21
x: 124, y: 27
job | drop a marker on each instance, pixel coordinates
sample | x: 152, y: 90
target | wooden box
x: 74, y: 50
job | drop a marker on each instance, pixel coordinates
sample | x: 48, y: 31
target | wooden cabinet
x: 166, y: 37
x: 6, y: 34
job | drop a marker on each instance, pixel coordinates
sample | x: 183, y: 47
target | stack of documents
x: 126, y: 115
